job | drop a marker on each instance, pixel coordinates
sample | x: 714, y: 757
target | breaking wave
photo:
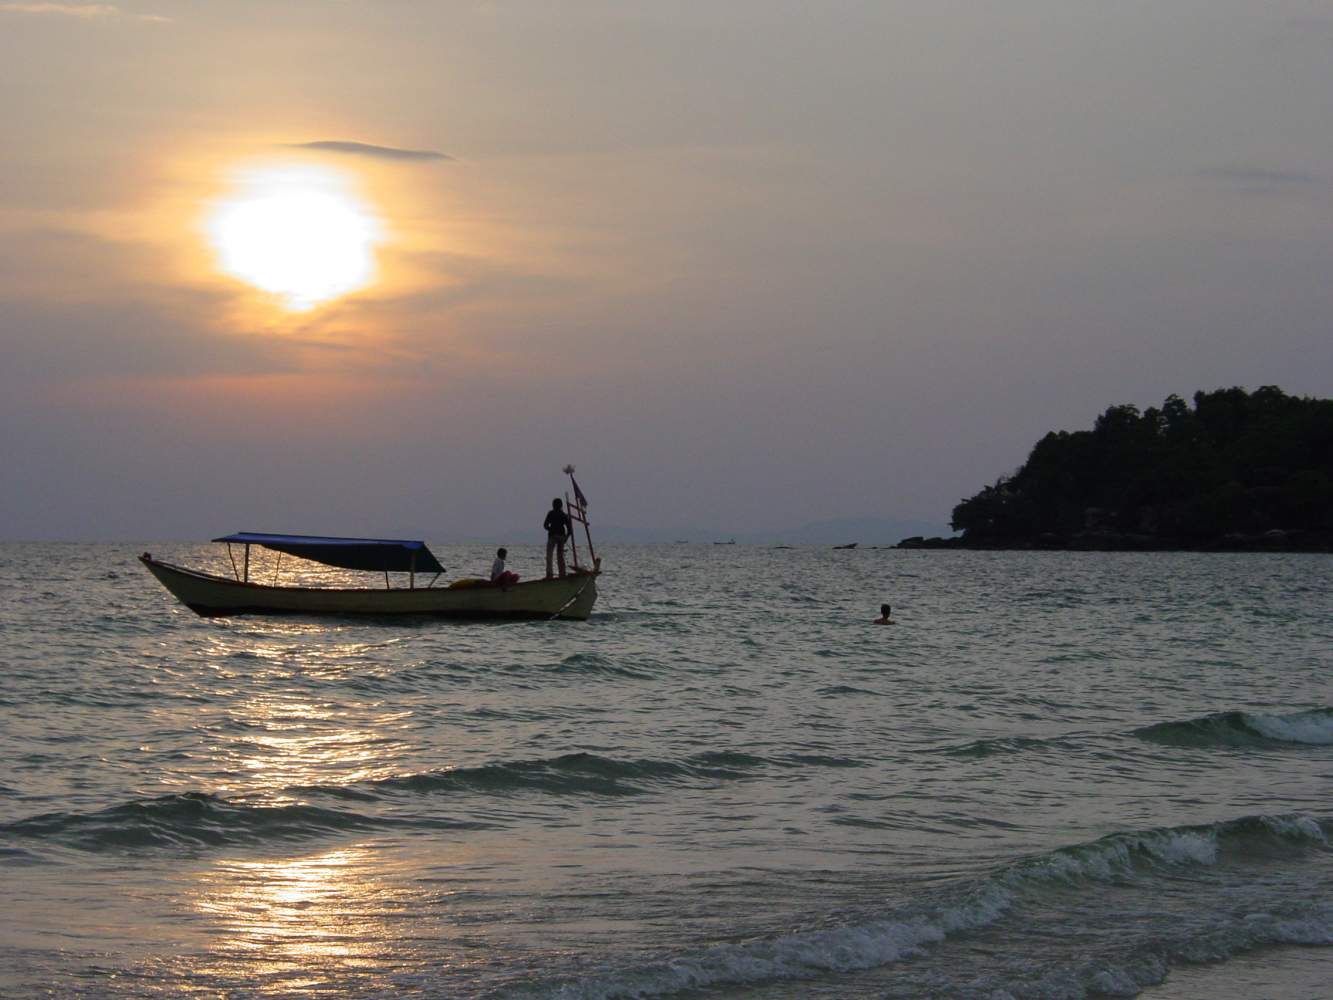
x: 1313, y: 728
x: 854, y: 949
x: 1121, y: 855
x: 794, y: 956
x: 1130, y: 968
x: 1009, y: 895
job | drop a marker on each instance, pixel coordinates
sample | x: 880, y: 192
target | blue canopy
x: 375, y: 554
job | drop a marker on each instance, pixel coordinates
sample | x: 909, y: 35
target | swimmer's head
x: 884, y: 610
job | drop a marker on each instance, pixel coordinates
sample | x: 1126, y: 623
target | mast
x: 578, y: 513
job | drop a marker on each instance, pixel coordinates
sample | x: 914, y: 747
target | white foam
x: 1099, y: 862
x: 1258, y: 930
x: 840, y: 949
x: 1128, y: 978
x: 1113, y: 858
x: 1314, y: 728
x: 1183, y: 847
x: 1128, y: 972
x: 1306, y: 827
x: 1316, y: 929
x: 812, y: 954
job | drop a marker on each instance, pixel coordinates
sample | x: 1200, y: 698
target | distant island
x: 1238, y: 471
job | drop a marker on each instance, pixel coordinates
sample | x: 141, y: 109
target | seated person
x: 500, y: 576
x: 884, y: 618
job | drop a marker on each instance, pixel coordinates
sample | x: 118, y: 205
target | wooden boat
x: 567, y: 597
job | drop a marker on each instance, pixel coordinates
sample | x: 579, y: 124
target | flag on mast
x: 578, y: 493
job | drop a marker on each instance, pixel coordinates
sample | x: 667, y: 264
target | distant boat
x: 210, y: 595
x: 732, y: 542
x: 849, y: 545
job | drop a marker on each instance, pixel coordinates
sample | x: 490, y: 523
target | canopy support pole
x: 247, y: 562
x: 412, y: 573
x: 232, y: 556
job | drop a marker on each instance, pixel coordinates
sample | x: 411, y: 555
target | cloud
x: 366, y: 149
x: 85, y: 11
x: 67, y: 9
x: 1260, y: 180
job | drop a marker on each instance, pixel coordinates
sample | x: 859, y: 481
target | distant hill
x: 1238, y: 470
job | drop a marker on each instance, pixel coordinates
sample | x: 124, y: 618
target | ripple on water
x: 1055, y: 768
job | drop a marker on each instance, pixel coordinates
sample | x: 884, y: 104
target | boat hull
x: 569, y: 597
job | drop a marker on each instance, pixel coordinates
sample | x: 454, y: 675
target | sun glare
x: 300, y: 233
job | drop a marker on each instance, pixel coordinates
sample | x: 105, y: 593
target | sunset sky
x: 383, y: 267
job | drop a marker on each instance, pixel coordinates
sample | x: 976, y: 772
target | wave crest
x: 1311, y: 728
x: 188, y: 820
x: 1120, y: 855
x: 799, y: 955
x: 1004, y: 895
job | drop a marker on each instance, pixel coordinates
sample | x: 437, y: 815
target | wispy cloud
x: 86, y: 11
x: 1261, y: 180
x: 366, y: 149
x: 66, y: 9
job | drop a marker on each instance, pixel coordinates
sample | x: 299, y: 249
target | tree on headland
x: 1235, y: 464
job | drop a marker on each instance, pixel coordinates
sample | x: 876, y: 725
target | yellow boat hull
x: 570, y: 597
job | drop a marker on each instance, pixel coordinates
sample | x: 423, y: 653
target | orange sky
x: 749, y: 265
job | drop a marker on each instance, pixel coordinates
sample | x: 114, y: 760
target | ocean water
x: 1057, y: 775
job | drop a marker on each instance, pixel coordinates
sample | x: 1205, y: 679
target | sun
x: 299, y: 232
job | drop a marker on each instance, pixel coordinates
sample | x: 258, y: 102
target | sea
x: 1056, y: 775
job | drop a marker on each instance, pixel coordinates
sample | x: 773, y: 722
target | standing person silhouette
x: 557, y: 532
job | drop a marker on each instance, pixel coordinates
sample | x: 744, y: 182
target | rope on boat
x: 572, y: 599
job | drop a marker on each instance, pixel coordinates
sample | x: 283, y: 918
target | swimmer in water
x: 884, y: 618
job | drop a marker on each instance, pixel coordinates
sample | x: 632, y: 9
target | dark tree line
x: 1235, y: 464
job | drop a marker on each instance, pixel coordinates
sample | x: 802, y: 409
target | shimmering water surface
x: 1058, y: 775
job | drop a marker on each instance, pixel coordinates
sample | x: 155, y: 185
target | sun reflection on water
x: 289, y: 729
x: 297, y: 922
x: 314, y: 923
x: 291, y: 744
